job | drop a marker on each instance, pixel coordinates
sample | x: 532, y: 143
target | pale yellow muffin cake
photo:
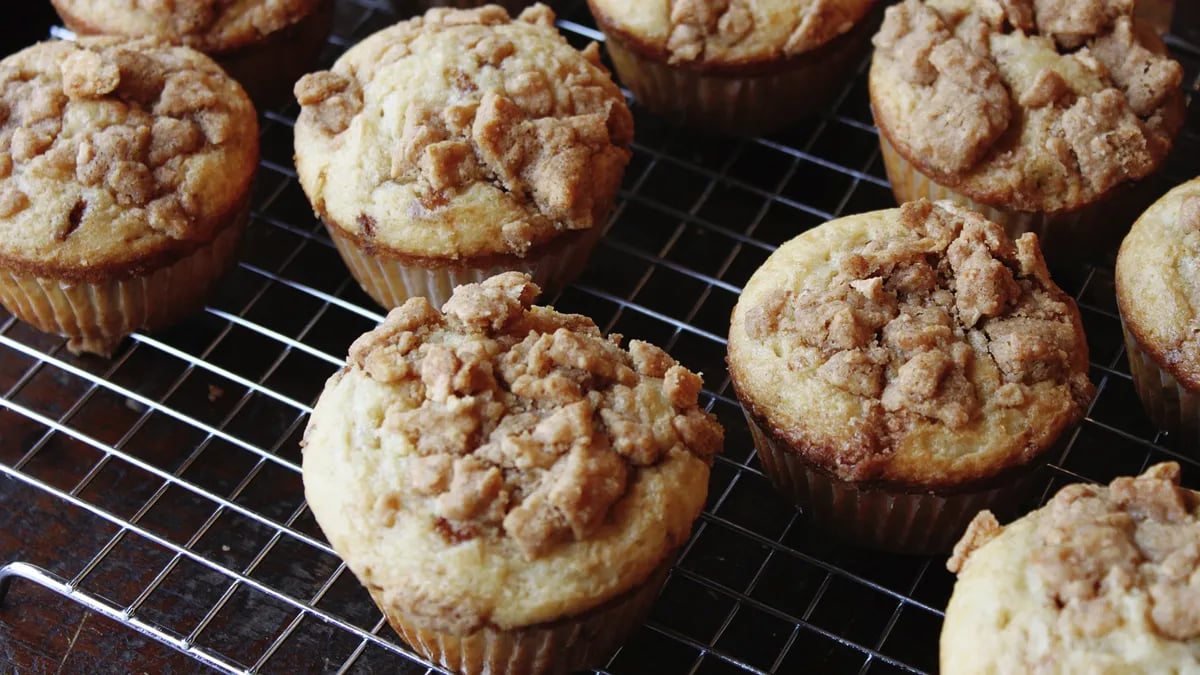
x: 462, y: 143
x: 125, y: 173
x: 901, y: 369
x: 735, y: 66
x: 509, y: 485
x: 1041, y: 115
x: 1158, y: 292
x: 1102, y: 580
x: 265, y: 44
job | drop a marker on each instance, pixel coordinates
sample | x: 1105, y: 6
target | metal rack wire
x: 161, y: 490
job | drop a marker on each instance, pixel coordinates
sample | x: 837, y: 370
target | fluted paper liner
x: 875, y: 515
x: 557, y: 647
x: 1171, y: 406
x: 98, y: 316
x: 390, y: 281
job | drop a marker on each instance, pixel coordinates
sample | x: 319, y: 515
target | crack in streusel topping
x: 563, y: 144
x: 962, y: 96
x: 524, y: 422
x: 151, y: 109
x: 1095, y: 546
x: 902, y: 322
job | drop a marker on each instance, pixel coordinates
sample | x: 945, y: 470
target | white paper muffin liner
x: 390, y: 281
x: 96, y: 317
x: 1171, y: 406
x: 739, y: 104
x: 557, y: 647
x: 875, y: 515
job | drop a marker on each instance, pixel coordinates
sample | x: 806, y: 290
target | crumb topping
x: 207, y: 25
x: 524, y: 422
x: 553, y: 133
x: 124, y: 119
x: 1091, y: 95
x: 904, y: 320
x: 1096, y: 545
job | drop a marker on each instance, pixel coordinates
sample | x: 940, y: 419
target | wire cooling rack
x: 152, y: 510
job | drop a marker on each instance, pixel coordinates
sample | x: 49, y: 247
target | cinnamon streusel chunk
x: 1107, y: 578
x: 502, y: 465
x: 124, y: 165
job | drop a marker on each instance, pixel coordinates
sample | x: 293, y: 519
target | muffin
x: 737, y: 67
x: 422, y: 5
x: 125, y: 174
x: 265, y: 44
x: 456, y: 145
x: 1045, y: 121
x: 1100, y: 580
x: 509, y: 485
x: 902, y: 369
x: 1158, y: 292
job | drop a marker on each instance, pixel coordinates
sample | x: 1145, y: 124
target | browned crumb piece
x: 526, y: 423
x: 1072, y: 22
x: 1095, y: 545
x: 982, y: 529
x: 905, y: 320
x: 1107, y: 139
x: 1145, y: 78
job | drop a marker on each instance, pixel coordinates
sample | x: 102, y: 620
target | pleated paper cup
x: 738, y: 101
x: 1064, y: 236
x: 556, y: 647
x: 97, y: 316
x: 1172, y: 407
x: 391, y: 278
x: 895, y: 518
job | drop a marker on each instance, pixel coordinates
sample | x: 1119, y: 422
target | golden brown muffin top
x: 1158, y: 287
x: 728, y: 32
x: 903, y: 328
x: 1107, y: 576
x: 463, y: 133
x: 1040, y: 105
x: 512, y: 437
x: 114, y: 152
x: 211, y: 26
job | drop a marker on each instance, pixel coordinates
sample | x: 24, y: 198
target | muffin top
x: 1158, y: 282
x: 117, y: 155
x: 1100, y: 580
x: 211, y: 26
x: 463, y: 133
x: 1038, y: 105
x: 727, y: 33
x: 917, y: 345
x: 502, y: 463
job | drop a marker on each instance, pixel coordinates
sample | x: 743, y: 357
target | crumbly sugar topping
x: 554, y: 133
x: 718, y: 30
x: 1087, y: 88
x: 523, y: 422
x: 904, y: 319
x: 120, y: 117
x: 1096, y: 545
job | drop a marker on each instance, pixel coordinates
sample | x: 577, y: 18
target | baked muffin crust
x: 504, y: 464
x: 463, y: 133
x: 728, y: 33
x: 210, y: 26
x: 117, y: 156
x: 1039, y: 105
x: 917, y: 346
x: 1158, y: 289
x: 1099, y: 580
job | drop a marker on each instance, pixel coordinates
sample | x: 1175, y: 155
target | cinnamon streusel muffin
x: 266, y: 45
x: 125, y: 172
x: 1158, y: 292
x: 1100, y: 580
x: 1043, y: 116
x: 459, y: 144
x: 733, y: 66
x: 902, y: 369
x: 509, y: 485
